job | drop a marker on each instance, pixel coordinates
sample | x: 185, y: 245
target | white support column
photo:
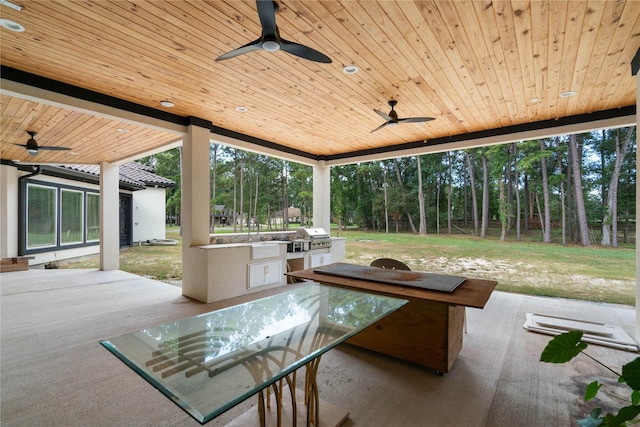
x: 109, y: 217
x: 195, y: 212
x: 322, y: 196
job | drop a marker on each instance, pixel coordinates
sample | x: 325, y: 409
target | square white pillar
x: 109, y: 217
x: 322, y: 196
x: 195, y: 212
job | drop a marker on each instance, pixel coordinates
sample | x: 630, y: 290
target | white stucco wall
x: 8, y: 211
x: 149, y: 214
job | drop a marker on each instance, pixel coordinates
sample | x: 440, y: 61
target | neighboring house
x: 52, y: 213
x: 293, y: 216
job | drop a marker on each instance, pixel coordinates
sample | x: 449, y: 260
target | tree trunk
x: 449, y: 190
x: 539, y: 213
x: 485, y: 198
x: 474, y: 198
x: 610, y: 220
x: 213, y: 174
x: 504, y: 214
x: 516, y: 179
x: 423, y: 217
x: 241, y: 196
x: 404, y: 198
x: 585, y: 238
x: 546, y: 234
x: 564, y: 234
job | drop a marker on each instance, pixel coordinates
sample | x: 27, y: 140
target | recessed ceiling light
x: 11, y: 25
x: 74, y: 153
x: 242, y: 109
x: 11, y: 5
x: 167, y: 104
x: 350, y: 69
x: 123, y: 130
x: 567, y: 94
x: 534, y: 100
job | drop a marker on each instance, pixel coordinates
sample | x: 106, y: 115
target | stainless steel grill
x: 313, y: 238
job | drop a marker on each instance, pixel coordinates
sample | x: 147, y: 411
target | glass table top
x: 209, y: 363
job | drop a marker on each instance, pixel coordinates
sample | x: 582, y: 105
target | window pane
x: 41, y: 216
x: 71, y: 217
x: 93, y: 217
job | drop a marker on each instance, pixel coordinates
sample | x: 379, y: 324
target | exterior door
x: 126, y: 220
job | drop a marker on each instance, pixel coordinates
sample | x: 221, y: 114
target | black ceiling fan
x: 270, y: 39
x: 33, y: 148
x: 393, y: 120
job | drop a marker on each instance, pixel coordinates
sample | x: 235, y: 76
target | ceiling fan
x: 270, y: 39
x: 393, y: 120
x: 33, y: 148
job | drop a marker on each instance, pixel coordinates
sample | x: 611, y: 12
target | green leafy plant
x: 565, y: 347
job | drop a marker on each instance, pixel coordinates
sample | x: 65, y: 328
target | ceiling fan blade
x: 267, y: 13
x: 381, y: 126
x: 416, y: 119
x: 249, y: 47
x: 385, y: 116
x: 53, y: 148
x: 20, y: 145
x: 304, y: 52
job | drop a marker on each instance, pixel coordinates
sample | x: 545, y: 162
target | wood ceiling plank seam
x: 418, y: 67
x: 372, y: 115
x: 379, y: 26
x: 490, y: 59
x: 623, y: 47
x: 497, y: 57
x: 444, y: 80
x: 48, y: 123
x: 363, y: 51
x: 385, y: 72
x: 557, y: 19
x: 363, y: 96
x: 139, y: 43
x: 585, y: 49
x: 71, y: 129
x: 363, y: 92
x: 466, y: 57
x: 311, y: 76
x: 539, y: 35
x: 506, y: 28
x: 523, y: 22
x: 188, y: 33
x: 571, y: 36
x: 605, y: 33
x: 299, y: 24
x: 65, y: 65
x: 111, y: 37
x: 453, y: 111
x: 484, y: 72
x: 15, y: 111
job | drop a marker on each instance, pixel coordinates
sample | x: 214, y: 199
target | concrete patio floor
x: 55, y: 373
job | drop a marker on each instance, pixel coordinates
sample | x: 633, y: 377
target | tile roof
x: 131, y: 173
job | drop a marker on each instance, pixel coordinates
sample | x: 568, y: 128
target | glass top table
x: 209, y: 363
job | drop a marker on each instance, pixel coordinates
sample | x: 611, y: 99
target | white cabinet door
x: 264, y: 273
x: 318, y: 260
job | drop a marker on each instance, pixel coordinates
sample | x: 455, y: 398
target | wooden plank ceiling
x: 472, y: 65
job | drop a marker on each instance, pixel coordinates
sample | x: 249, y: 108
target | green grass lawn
x: 591, y: 273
